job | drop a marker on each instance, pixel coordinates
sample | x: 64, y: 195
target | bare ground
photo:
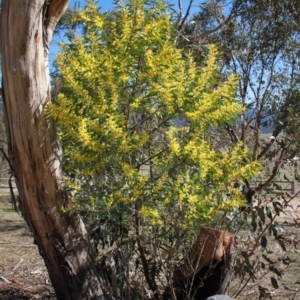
x: 23, y: 274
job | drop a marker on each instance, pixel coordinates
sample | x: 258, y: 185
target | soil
x: 23, y: 274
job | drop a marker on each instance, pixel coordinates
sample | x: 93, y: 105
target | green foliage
x: 263, y: 244
x: 135, y: 115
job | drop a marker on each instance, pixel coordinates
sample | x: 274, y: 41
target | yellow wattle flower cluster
x: 124, y: 84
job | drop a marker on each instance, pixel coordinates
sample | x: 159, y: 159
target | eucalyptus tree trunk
x: 34, y: 154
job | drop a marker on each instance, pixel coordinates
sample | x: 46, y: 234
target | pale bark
x: 34, y: 155
x: 206, y: 269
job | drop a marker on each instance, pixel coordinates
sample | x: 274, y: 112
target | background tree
x: 259, y: 42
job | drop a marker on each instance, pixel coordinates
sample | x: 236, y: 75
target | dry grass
x: 23, y: 274
x: 288, y: 283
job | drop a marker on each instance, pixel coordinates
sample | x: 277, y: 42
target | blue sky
x: 106, y: 5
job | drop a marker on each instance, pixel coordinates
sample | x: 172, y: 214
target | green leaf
x: 277, y: 186
x: 274, y: 283
x: 269, y: 213
x: 253, y: 221
x: 246, y: 223
x: 275, y: 231
x: 248, y: 270
x: 244, y: 254
x: 275, y: 270
x: 254, y: 226
x: 268, y: 259
x: 247, y: 261
x: 280, y: 242
x: 263, y: 241
x: 153, y: 271
x: 263, y: 292
x: 286, y: 261
x: 278, y: 207
x: 261, y: 213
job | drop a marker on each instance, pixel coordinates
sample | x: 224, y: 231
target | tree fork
x: 33, y: 152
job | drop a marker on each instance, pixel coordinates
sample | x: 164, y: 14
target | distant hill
x: 267, y: 121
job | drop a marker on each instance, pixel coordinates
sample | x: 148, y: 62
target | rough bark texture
x: 205, y: 270
x: 34, y: 155
x: 210, y: 245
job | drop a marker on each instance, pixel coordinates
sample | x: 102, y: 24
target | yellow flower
x: 92, y: 200
x: 152, y: 214
x: 127, y: 169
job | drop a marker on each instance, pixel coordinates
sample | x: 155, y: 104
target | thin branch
x: 13, y: 195
x: 179, y: 12
x: 246, y: 282
x: 208, y: 32
x: 150, y: 282
x: 273, y: 174
x: 234, y: 138
x: 268, y: 146
x: 186, y: 14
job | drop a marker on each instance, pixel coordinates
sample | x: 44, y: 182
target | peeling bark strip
x: 34, y: 155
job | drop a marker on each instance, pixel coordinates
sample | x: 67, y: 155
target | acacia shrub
x: 131, y: 100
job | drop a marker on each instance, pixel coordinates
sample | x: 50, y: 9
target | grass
x: 20, y: 262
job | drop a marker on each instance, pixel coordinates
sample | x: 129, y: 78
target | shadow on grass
x: 14, y: 293
x: 12, y: 227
